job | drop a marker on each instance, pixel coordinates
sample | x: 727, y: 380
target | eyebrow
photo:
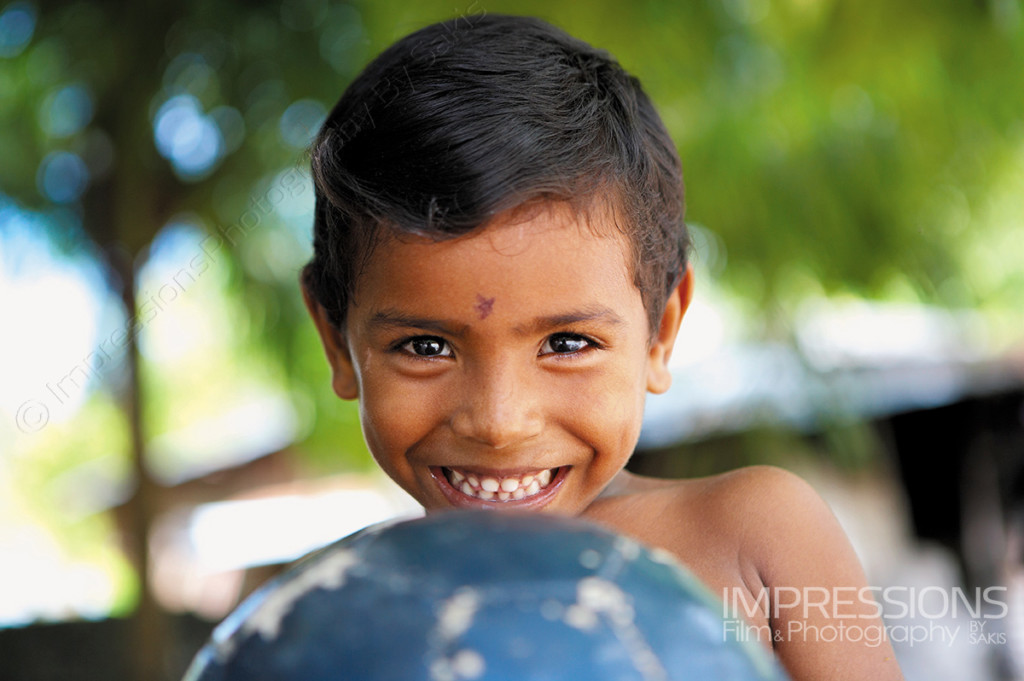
x: 391, y: 319
x: 596, y: 313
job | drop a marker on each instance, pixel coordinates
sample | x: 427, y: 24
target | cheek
x: 608, y: 411
x: 395, y: 416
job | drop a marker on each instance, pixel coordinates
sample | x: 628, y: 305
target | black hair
x: 474, y: 116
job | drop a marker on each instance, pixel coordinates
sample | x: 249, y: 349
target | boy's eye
x: 427, y: 347
x: 564, y: 344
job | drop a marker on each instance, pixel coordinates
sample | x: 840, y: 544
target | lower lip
x: 460, y: 500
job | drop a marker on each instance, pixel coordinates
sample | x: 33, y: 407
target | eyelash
x: 591, y: 344
x: 405, y: 345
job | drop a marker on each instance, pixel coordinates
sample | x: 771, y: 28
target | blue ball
x: 481, y: 595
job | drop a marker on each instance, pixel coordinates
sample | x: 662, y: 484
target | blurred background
x: 168, y: 436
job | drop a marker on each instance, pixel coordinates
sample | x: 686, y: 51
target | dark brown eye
x: 564, y: 344
x: 427, y: 347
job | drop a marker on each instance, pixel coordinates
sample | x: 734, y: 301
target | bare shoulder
x: 763, y: 496
x: 795, y: 543
x: 761, y: 484
x: 763, y: 529
x: 782, y: 520
x: 769, y: 521
x: 748, y: 513
x: 753, y: 498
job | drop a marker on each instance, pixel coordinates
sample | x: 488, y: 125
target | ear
x: 658, y: 376
x: 343, y: 375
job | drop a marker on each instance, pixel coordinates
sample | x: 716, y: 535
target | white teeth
x: 499, y: 488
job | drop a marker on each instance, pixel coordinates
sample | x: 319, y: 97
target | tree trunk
x: 150, y: 645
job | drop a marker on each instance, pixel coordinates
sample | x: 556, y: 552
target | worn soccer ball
x: 481, y: 595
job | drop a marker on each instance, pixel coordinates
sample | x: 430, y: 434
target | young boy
x: 499, y: 276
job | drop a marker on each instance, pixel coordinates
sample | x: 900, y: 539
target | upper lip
x: 498, y: 472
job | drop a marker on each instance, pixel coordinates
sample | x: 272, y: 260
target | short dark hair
x: 470, y: 117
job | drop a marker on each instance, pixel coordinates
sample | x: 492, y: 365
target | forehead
x: 540, y: 256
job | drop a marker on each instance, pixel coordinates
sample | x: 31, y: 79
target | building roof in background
x: 860, y: 360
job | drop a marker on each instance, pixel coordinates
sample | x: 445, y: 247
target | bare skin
x: 754, y: 529
x: 507, y: 369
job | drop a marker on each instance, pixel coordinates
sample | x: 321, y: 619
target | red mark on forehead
x: 483, y: 306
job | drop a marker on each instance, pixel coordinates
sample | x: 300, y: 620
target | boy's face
x: 504, y: 369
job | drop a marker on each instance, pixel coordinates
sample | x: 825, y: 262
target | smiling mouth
x: 504, y: 487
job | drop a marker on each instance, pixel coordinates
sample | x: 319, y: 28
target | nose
x: 497, y: 408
